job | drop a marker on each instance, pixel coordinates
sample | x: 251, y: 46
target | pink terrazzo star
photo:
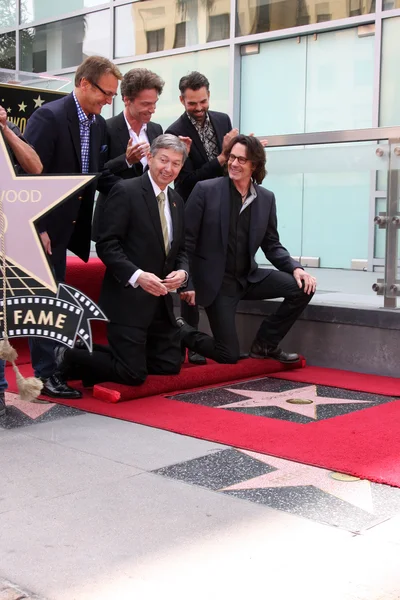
x: 290, y: 473
x: 34, y: 411
x: 280, y: 399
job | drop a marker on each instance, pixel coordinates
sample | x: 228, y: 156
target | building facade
x: 278, y: 67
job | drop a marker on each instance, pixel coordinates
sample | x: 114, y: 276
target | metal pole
x: 391, y: 282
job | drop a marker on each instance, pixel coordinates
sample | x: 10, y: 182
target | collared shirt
x: 252, y: 195
x: 238, y: 258
x: 167, y: 213
x: 137, y: 139
x: 207, y: 136
x: 85, y: 122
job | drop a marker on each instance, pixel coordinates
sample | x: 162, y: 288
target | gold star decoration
x: 22, y: 106
x: 38, y: 102
x: 8, y: 110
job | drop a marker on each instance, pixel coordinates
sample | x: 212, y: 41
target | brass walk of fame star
x: 22, y: 106
x: 24, y: 199
x: 289, y: 474
x: 307, y: 397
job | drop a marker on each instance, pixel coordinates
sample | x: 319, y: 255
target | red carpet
x: 360, y: 382
x: 189, y: 378
x: 364, y: 443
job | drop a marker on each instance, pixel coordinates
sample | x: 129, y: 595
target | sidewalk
x: 84, y: 516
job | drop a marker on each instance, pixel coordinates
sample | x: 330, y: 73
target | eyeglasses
x: 107, y: 94
x: 241, y: 159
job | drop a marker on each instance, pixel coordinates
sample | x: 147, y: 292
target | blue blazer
x: 53, y: 130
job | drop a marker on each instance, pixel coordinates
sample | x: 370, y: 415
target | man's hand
x: 187, y: 141
x: 46, y: 242
x: 310, y: 283
x: 174, y: 280
x: 264, y: 143
x: 189, y: 297
x: 134, y: 152
x: 3, y: 117
x: 152, y: 284
x: 228, y: 137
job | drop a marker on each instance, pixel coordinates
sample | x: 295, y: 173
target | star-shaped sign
x: 22, y: 107
x: 24, y: 199
x: 303, y: 401
x: 38, y: 101
x: 8, y: 110
x: 288, y: 473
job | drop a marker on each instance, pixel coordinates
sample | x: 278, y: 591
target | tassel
x: 7, y: 352
x: 29, y: 388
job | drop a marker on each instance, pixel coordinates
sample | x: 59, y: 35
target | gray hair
x: 167, y: 141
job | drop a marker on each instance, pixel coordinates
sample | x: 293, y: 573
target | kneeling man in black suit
x: 227, y: 220
x: 142, y: 243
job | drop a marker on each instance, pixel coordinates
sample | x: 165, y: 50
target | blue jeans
x: 3, y: 382
x: 42, y: 350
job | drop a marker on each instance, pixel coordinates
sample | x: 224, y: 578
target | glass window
x: 256, y: 16
x: 213, y: 63
x: 7, y: 50
x: 390, y: 81
x: 299, y: 85
x: 67, y: 43
x: 155, y: 25
x: 8, y: 13
x: 389, y: 4
x: 37, y: 10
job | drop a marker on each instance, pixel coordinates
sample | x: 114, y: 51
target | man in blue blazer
x: 227, y: 220
x: 70, y: 137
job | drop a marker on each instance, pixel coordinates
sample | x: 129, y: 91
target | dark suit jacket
x: 207, y: 215
x: 118, y: 138
x: 117, y: 141
x: 53, y: 130
x: 130, y: 238
x: 197, y: 167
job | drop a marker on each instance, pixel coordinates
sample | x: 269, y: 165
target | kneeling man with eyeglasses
x: 227, y: 220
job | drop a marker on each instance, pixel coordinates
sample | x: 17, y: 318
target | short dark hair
x: 94, y: 67
x: 193, y: 81
x: 255, y: 153
x: 137, y: 80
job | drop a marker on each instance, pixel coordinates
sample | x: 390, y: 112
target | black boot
x: 260, y: 349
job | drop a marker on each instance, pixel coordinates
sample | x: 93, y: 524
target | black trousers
x: 42, y: 350
x: 223, y: 347
x: 132, y: 353
x: 190, y: 314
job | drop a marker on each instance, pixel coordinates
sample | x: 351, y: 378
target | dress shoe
x: 55, y: 387
x: 196, y: 359
x: 243, y: 355
x: 2, y: 404
x: 180, y: 322
x: 80, y: 344
x: 261, y: 350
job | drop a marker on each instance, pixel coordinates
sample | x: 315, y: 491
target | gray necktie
x: 164, y: 226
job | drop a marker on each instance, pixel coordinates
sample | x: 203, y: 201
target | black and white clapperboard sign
x: 35, y: 305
